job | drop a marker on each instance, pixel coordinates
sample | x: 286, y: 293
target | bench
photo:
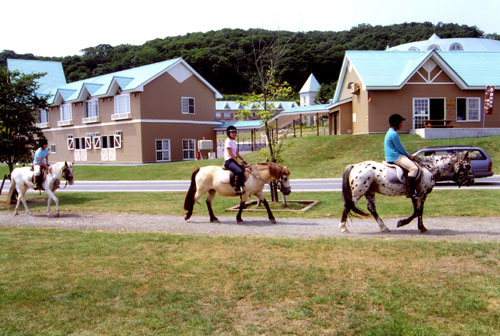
x: 441, y: 123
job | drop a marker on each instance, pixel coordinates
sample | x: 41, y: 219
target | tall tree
x: 19, y: 111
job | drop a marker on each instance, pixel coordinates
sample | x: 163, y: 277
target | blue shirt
x: 40, y: 155
x: 393, y: 147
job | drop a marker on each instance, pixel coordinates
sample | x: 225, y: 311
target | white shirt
x: 230, y: 143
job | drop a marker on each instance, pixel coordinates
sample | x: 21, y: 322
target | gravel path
x: 448, y: 228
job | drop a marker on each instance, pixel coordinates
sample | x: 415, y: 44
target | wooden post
x: 294, y: 128
x: 300, y: 125
x: 317, y: 124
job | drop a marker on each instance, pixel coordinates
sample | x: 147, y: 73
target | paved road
x: 298, y: 185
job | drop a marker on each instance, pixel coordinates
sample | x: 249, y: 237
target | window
x: 52, y: 149
x: 163, y: 150
x: 70, y: 142
x: 96, y: 140
x: 420, y: 112
x: 456, y: 46
x: 118, y: 139
x: 122, y: 103
x: 413, y: 49
x: 91, y: 108
x: 66, y: 114
x: 44, y: 117
x: 187, y: 105
x: 434, y: 47
x: 468, y: 109
x: 188, y: 149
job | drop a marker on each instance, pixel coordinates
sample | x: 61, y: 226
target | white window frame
x: 189, y: 146
x: 122, y: 105
x: 91, y: 111
x: 422, y: 113
x: 52, y: 149
x: 163, y: 150
x: 468, y: 102
x: 188, y: 105
x: 66, y: 115
x: 44, y: 116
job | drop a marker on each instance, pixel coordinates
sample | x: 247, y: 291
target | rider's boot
x: 411, y: 183
x: 237, y: 187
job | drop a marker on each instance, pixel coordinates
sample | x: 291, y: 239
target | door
x: 436, y: 111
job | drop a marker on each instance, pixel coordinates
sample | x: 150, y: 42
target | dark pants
x: 237, y: 170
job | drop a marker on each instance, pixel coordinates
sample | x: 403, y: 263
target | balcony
x: 121, y: 116
x: 68, y: 122
x: 43, y: 125
x: 90, y: 120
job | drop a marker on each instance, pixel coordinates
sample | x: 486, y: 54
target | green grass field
x: 61, y: 282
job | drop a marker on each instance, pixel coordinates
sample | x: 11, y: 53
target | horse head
x: 282, y: 174
x: 67, y: 172
x: 462, y: 170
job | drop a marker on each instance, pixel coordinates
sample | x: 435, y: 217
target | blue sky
x: 63, y: 28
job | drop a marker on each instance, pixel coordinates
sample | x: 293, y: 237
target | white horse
x: 370, y: 177
x: 22, y: 181
x: 214, y: 179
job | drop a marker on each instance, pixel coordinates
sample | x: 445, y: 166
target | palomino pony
x: 214, y: 179
x: 22, y: 180
x: 369, y: 177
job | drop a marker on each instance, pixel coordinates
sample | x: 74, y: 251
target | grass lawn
x: 58, y: 282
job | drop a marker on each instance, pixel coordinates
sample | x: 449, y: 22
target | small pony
x: 22, y: 181
x: 369, y: 177
x: 214, y: 179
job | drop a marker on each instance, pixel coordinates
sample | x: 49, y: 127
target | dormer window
x: 44, y: 117
x: 66, y: 115
x: 434, y: 47
x: 91, y: 111
x: 122, y: 107
x: 456, y: 47
x: 413, y: 49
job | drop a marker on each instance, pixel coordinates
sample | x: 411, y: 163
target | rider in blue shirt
x: 41, y: 161
x: 396, y: 153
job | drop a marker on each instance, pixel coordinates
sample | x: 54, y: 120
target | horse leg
x: 270, y: 215
x: 211, y: 195
x: 56, y: 201
x: 370, y: 198
x: 403, y: 222
x: 242, y: 206
x: 22, y: 198
x: 420, y: 209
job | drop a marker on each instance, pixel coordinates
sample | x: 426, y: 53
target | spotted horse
x: 371, y: 177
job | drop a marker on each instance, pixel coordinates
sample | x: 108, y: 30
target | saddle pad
x: 395, y: 174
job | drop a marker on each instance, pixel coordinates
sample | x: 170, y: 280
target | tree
x: 268, y: 54
x: 19, y: 110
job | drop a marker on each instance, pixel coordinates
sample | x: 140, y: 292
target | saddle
x: 227, y: 176
x: 396, y: 174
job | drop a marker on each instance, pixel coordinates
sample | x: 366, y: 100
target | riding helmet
x: 230, y: 129
x: 42, y: 142
x: 395, y: 119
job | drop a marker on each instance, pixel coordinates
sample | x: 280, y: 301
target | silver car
x: 481, y: 165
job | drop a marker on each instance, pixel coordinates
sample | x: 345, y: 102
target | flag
x: 488, y: 100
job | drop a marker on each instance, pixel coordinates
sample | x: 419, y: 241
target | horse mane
x: 275, y: 170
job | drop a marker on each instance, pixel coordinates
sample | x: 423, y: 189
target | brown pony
x: 214, y: 179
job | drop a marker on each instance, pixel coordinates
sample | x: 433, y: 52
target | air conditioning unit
x: 205, y: 145
x: 353, y: 87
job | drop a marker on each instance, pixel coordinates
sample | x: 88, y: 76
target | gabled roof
x: 54, y: 72
x: 127, y: 80
x: 311, y: 85
x: 390, y: 70
x: 449, y: 44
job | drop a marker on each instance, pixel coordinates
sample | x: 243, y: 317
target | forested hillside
x: 225, y: 58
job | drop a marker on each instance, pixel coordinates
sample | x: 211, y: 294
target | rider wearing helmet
x: 231, y: 155
x: 396, y: 153
x: 41, y: 161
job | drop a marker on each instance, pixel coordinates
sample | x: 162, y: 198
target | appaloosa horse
x: 369, y: 177
x: 214, y: 179
x: 22, y: 180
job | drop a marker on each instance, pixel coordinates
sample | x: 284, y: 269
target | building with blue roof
x: 153, y: 113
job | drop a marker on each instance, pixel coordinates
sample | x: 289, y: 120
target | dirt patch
x: 448, y: 228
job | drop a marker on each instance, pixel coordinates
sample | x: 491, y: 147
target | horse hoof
x: 423, y: 230
x: 214, y: 220
x: 273, y: 221
x: 344, y: 230
x: 386, y: 230
x: 400, y: 223
x: 240, y: 221
x: 58, y: 215
x: 187, y: 217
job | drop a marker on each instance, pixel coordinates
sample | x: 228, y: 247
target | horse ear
x: 466, y: 156
x: 65, y: 163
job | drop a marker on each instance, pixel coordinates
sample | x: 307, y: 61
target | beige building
x: 155, y: 113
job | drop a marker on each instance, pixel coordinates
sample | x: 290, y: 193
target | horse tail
x: 12, y: 190
x: 349, y: 205
x: 189, y: 201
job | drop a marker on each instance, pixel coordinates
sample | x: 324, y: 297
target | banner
x: 488, y: 100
